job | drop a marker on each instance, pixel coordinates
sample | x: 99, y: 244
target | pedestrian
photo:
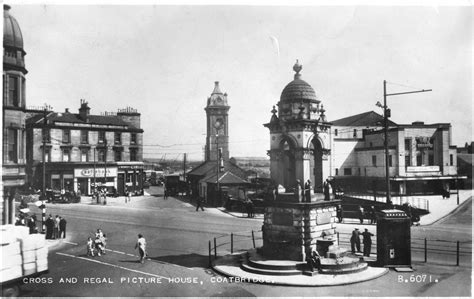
x: 141, y: 245
x: 355, y: 241
x: 165, y: 192
x: 49, y: 227
x: 307, y: 190
x: 327, y: 190
x: 199, y: 204
x: 339, y: 213
x: 62, y: 227
x: 373, y: 215
x: 127, y: 195
x: 367, y: 241
x: 361, y: 214
x: 314, y: 261
x: 104, y: 193
x: 249, y: 206
x: 32, y: 224
x: 90, y: 247
x: 56, y: 227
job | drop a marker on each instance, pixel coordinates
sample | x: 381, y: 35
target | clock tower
x: 217, y: 140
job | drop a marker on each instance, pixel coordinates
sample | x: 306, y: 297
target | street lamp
x: 386, y: 115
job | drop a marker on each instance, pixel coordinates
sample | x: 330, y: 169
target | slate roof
x: 226, y: 178
x: 210, y: 167
x: 366, y: 119
x: 75, y: 118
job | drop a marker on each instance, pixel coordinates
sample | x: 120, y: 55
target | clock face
x: 218, y: 124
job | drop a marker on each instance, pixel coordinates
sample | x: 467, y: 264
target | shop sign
x: 130, y: 167
x: 99, y: 172
x: 424, y: 142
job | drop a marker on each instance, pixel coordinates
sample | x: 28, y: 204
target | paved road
x: 177, y: 239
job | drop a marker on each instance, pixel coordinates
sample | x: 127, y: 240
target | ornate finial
x: 274, y: 111
x: 297, y: 68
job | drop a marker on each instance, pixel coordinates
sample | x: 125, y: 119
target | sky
x: 163, y: 60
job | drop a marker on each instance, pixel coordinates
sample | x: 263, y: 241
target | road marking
x: 70, y: 243
x: 112, y: 265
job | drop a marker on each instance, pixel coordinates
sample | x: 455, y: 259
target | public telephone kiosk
x: 393, y: 239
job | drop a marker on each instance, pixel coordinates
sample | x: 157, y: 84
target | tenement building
x: 14, y: 100
x: 218, y: 174
x: 81, y: 150
x: 421, y: 159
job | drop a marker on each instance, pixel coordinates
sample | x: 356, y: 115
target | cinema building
x: 83, y: 150
x: 421, y: 160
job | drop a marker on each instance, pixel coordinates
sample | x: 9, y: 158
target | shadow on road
x: 186, y: 260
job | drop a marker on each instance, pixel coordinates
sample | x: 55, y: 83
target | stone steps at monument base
x: 358, y: 268
x: 276, y: 265
x: 251, y: 269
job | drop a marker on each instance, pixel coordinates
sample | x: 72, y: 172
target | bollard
x: 253, y: 239
x: 210, y: 254
x: 231, y: 243
x: 215, y: 249
x: 338, y: 239
x: 426, y: 250
x: 457, y: 253
x: 428, y: 205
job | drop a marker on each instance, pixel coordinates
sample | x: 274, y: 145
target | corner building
x: 84, y: 150
x: 14, y: 102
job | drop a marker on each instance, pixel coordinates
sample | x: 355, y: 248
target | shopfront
x: 86, y: 178
x: 130, y: 175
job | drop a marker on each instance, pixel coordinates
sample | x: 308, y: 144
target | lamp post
x: 218, y: 167
x: 105, y: 170
x: 386, y: 115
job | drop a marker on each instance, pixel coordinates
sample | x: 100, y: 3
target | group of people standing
x: 367, y: 241
x: 55, y: 228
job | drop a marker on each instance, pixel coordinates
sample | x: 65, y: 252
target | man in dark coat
x: 32, y: 224
x: 199, y: 204
x: 367, y: 241
x: 355, y: 241
x: 339, y: 213
x: 361, y: 214
x: 62, y: 227
x: 49, y: 227
x: 307, y: 191
x: 373, y: 215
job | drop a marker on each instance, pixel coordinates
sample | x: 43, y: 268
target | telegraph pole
x: 386, y: 115
x: 184, y: 167
x: 218, y: 166
x: 94, y: 193
x: 105, y: 169
x: 43, y: 192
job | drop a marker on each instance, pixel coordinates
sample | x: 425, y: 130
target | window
x: 355, y: 133
x: 133, y: 154
x: 66, y: 154
x: 390, y: 160
x: 419, y: 159
x: 101, y: 155
x: 374, y: 160
x: 371, y: 144
x: 118, y: 155
x: 118, y: 138
x: 84, y: 136
x: 46, y: 135
x: 66, y: 136
x: 347, y: 171
x: 13, y: 92
x: 133, y: 138
x: 430, y: 159
x: 337, y: 171
x: 12, y: 146
x: 101, y: 138
x: 84, y: 155
x: 451, y: 160
x: 407, y: 161
x: 408, y: 144
x: 335, y: 132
